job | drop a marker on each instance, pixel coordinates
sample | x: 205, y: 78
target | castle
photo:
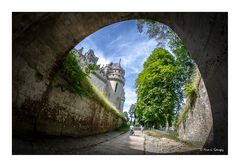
x: 109, y: 79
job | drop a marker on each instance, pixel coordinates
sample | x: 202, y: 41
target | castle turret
x: 115, y: 76
x: 109, y: 79
x: 80, y: 51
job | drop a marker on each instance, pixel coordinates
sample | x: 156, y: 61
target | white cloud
x: 102, y: 59
x: 88, y: 43
x: 134, y: 53
x: 134, y: 70
x: 113, y: 42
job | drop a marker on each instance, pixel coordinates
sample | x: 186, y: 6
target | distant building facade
x: 109, y: 79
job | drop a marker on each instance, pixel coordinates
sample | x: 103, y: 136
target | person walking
x: 142, y: 128
x: 132, y: 130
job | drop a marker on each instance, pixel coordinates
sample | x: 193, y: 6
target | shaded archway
x: 41, y: 40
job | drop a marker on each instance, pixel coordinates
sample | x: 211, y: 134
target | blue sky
x: 121, y: 40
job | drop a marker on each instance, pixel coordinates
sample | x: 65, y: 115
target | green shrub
x: 190, y: 90
x: 75, y: 76
x: 124, y: 128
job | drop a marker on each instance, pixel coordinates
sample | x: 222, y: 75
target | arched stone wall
x: 41, y: 40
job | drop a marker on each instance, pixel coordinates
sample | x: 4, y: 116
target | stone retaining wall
x: 198, y: 124
x: 63, y: 113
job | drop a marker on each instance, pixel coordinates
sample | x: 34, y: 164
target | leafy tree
x: 157, y: 87
x: 181, y: 61
x: 154, y: 30
x: 126, y: 115
x: 131, y: 112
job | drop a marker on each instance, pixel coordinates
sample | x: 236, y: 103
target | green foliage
x: 176, y: 76
x: 131, y: 112
x: 167, y: 37
x: 183, y: 115
x: 124, y: 128
x: 183, y: 59
x: 190, y: 90
x: 91, y: 68
x: 126, y: 115
x: 154, y: 30
x: 157, y: 87
x: 75, y: 76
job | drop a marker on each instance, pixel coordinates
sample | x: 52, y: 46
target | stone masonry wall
x: 63, y: 113
x: 198, y: 124
x: 99, y: 83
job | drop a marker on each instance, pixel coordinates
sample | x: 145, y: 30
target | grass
x: 160, y: 134
x: 101, y: 98
x: 184, y: 113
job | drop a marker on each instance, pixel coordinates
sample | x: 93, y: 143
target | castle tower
x: 115, y: 75
x: 109, y: 79
x: 91, y: 58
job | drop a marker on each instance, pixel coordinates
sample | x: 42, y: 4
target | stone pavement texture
x: 165, y: 146
x: 112, y: 143
x: 122, y: 145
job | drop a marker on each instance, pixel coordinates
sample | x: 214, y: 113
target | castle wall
x: 111, y: 94
x: 99, y: 82
x: 108, y: 89
x: 115, y: 97
x: 121, y: 105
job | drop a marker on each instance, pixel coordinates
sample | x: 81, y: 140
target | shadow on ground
x: 112, y: 143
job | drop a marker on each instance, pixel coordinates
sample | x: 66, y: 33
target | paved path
x: 109, y: 143
x: 112, y: 143
x: 122, y: 145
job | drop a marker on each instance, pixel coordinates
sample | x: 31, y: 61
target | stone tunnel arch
x: 42, y: 40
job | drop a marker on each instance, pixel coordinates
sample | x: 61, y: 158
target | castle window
x: 116, y: 87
